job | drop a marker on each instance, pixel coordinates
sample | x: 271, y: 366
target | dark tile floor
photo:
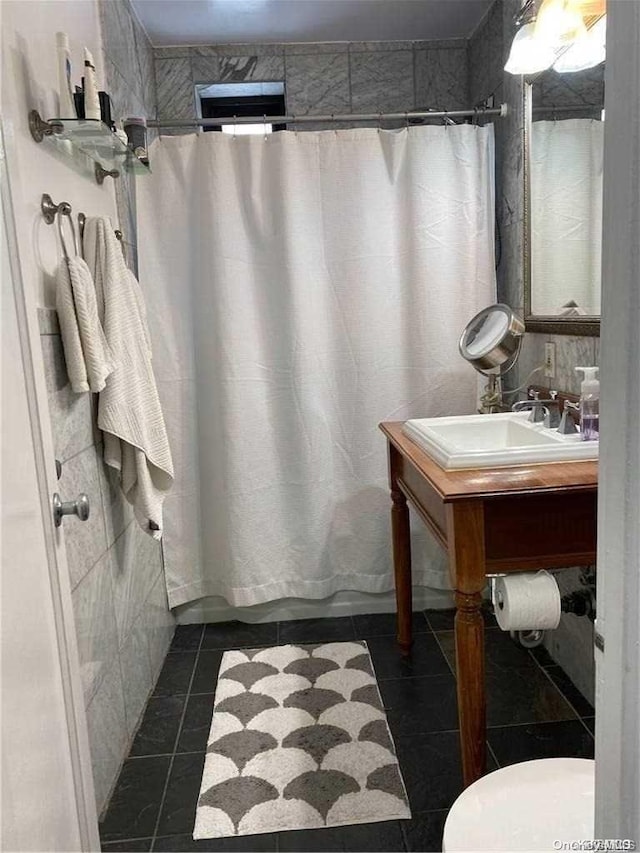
x: 534, y: 711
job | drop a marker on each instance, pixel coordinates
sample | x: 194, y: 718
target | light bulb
x: 528, y: 55
x: 588, y: 50
x: 558, y: 23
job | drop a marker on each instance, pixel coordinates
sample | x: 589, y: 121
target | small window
x: 242, y: 99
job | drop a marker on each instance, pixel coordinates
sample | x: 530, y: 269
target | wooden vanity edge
x: 461, y: 484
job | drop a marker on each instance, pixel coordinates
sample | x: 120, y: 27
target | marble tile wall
x: 123, y: 622
x: 571, y: 644
x: 571, y: 351
x: 581, y: 87
x: 130, y: 72
x: 321, y: 78
x: 485, y: 52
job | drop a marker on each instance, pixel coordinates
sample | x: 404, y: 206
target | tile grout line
x: 562, y: 693
x: 532, y: 723
x: 175, y: 744
x: 492, y: 753
x: 401, y: 826
x: 451, y: 668
x: 592, y: 733
x: 430, y: 630
x: 404, y: 824
x: 165, y: 755
x: 426, y: 619
x: 107, y: 844
x: 421, y: 733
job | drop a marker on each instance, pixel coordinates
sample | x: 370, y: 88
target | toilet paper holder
x: 580, y: 602
x: 527, y: 639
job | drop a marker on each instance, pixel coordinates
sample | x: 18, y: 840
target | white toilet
x: 531, y: 806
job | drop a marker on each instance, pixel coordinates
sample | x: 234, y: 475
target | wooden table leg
x: 465, y: 535
x: 401, y: 536
x: 469, y: 627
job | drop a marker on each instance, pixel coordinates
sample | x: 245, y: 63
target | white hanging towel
x: 129, y: 413
x: 87, y: 354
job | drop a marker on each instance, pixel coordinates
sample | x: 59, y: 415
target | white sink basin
x: 495, y: 441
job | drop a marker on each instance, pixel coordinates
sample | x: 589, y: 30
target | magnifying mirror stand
x: 491, y: 342
x: 491, y: 401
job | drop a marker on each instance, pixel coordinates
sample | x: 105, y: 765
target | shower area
x: 301, y: 288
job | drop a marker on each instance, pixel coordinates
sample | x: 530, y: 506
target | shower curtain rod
x: 478, y: 112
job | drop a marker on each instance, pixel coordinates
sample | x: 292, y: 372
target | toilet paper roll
x: 527, y: 601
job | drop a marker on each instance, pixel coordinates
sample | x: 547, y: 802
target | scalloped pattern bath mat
x: 299, y: 739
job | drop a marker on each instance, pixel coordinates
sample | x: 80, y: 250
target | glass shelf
x: 95, y: 139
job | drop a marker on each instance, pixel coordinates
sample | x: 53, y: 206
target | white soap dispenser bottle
x: 589, y: 404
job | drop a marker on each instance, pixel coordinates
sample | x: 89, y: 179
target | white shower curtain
x: 566, y: 214
x: 300, y: 289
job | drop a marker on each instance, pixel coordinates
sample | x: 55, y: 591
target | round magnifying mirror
x: 491, y: 340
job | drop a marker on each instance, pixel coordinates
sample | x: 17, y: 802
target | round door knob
x: 79, y: 507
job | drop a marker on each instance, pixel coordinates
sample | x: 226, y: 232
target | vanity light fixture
x: 566, y: 35
x: 528, y: 55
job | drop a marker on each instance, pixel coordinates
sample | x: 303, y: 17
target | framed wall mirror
x: 563, y: 147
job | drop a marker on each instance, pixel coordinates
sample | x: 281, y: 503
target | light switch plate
x: 550, y: 360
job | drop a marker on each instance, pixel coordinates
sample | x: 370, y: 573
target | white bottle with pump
x: 589, y: 404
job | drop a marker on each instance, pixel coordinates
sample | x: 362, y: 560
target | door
x: 47, y: 789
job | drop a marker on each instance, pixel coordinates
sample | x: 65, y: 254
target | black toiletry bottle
x: 78, y: 98
x: 105, y: 110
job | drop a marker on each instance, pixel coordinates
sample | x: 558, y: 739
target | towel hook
x: 64, y: 209
x: 50, y: 211
x: 49, y: 208
x: 82, y: 219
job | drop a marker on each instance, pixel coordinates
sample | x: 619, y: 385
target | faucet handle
x: 567, y: 423
x: 552, y: 417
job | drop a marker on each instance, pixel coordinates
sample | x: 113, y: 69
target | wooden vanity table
x: 490, y: 521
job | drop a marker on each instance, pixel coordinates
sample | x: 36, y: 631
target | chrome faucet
x: 539, y: 410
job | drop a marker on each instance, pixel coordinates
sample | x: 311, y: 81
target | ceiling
x: 175, y: 22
